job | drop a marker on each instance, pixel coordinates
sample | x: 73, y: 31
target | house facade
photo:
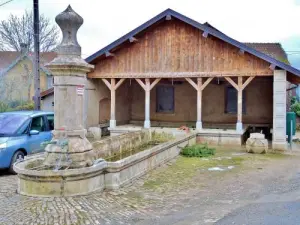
x: 17, y: 77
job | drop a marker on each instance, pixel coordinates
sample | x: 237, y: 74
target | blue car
x: 21, y: 133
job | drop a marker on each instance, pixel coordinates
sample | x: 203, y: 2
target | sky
x: 243, y: 20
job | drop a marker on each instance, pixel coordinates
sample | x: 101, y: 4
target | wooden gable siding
x: 176, y: 49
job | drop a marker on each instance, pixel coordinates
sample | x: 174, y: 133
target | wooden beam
x: 272, y: 66
x: 154, y: 83
x: 141, y: 83
x: 106, y: 82
x: 119, y: 83
x: 168, y: 17
x: 205, y: 34
x: 108, y: 54
x: 192, y: 83
x: 259, y: 73
x: 232, y: 83
x: 132, y: 39
x: 206, y: 83
x: 247, y: 82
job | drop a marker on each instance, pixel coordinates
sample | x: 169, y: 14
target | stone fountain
x: 71, y: 165
x: 69, y: 146
x: 67, y: 168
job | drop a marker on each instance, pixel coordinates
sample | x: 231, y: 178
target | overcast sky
x: 243, y: 20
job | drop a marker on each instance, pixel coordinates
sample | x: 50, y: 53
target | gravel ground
x: 181, y: 192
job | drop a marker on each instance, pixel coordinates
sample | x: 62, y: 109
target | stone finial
x: 69, y: 22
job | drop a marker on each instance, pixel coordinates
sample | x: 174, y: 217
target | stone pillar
x: 147, y: 123
x: 69, y: 146
x: 279, y: 110
x: 199, y: 104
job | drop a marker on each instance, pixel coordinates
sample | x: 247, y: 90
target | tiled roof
x: 7, y: 58
x: 47, y: 92
x: 274, y: 50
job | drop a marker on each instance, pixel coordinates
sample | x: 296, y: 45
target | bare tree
x: 27, y: 78
x: 17, y: 30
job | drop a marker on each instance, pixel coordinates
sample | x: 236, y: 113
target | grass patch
x: 197, y: 151
x: 180, y: 173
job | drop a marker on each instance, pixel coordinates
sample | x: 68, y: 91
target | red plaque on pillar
x: 80, y: 89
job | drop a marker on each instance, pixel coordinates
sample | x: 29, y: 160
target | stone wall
x: 126, y: 170
x: 116, y: 144
x: 47, y: 104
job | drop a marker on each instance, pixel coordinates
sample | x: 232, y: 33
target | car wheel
x: 19, y: 155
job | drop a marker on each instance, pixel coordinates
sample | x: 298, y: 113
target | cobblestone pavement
x: 177, y: 193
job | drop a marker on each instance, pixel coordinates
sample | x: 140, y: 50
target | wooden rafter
x: 154, y: 83
x: 240, y: 86
x: 247, y: 82
x: 108, y: 54
x: 168, y: 17
x: 272, y: 66
x: 119, y: 83
x: 206, y: 83
x: 147, y: 85
x: 205, y: 34
x: 241, y: 52
x: 141, y: 83
x: 106, y: 82
x: 192, y: 82
x: 112, y: 85
x: 132, y: 39
x: 232, y: 83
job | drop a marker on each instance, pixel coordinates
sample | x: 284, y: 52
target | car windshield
x: 10, y: 123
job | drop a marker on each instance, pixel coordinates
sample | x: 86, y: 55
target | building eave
x: 210, y: 31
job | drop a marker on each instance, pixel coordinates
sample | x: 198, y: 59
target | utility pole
x: 36, y: 28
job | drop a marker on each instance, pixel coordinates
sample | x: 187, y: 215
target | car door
x: 50, y: 125
x: 39, y: 124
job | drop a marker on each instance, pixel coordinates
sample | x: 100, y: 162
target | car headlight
x: 3, y: 146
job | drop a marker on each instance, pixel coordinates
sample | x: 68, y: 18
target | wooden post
x: 199, y: 88
x: 147, y: 103
x: 199, y: 104
x: 239, y: 125
x: 112, y: 122
x: 113, y: 87
x: 147, y: 88
x: 239, y: 87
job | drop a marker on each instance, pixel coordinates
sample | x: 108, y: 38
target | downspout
x: 292, y: 87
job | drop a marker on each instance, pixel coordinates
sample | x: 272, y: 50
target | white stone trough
x: 103, y: 175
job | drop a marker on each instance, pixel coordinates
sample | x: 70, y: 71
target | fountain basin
x: 103, y: 175
x: 49, y: 183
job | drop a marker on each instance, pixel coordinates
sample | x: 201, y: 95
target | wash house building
x: 174, y: 71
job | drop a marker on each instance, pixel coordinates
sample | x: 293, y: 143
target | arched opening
x: 104, y: 110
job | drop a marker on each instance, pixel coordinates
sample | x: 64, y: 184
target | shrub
x: 4, y: 107
x: 197, y: 151
x: 26, y: 106
x: 14, y: 103
x: 293, y: 100
x: 296, y: 108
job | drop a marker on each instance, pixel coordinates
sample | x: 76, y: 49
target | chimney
x: 24, y: 48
